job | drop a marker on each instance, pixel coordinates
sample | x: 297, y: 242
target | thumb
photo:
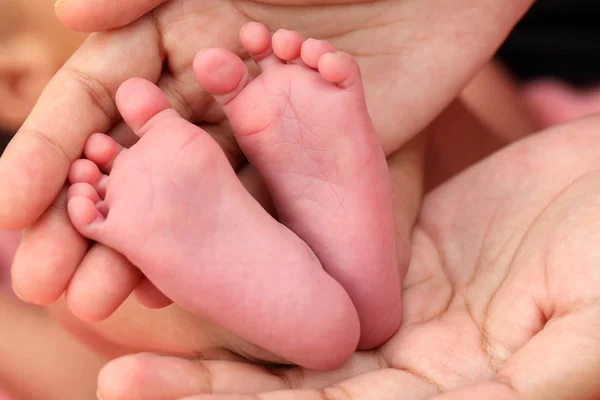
x: 101, y: 15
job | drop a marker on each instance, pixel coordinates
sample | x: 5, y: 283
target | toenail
x: 222, y: 71
x: 17, y: 292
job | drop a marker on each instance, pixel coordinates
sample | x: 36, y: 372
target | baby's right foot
x: 304, y: 125
x: 173, y: 205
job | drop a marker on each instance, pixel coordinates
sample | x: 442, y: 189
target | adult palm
x: 501, y: 299
x: 415, y: 57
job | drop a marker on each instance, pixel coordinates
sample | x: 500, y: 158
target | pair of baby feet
x: 310, y: 288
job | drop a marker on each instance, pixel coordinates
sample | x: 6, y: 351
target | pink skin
x: 306, y: 129
x: 173, y: 205
x: 554, y: 102
x: 5, y: 396
x: 8, y: 245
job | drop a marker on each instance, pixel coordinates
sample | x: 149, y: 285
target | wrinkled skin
x: 410, y: 77
x: 501, y: 299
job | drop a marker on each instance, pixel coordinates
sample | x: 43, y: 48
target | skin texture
x: 227, y: 246
x: 300, y: 131
x: 178, y: 318
x: 73, y: 107
x: 79, y: 101
x: 320, y: 160
x: 502, y: 280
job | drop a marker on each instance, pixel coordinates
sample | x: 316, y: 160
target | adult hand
x: 500, y: 300
x: 415, y: 57
x: 101, y: 15
x: 8, y: 244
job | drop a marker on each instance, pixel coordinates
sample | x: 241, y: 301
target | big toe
x: 143, y: 105
x: 221, y: 73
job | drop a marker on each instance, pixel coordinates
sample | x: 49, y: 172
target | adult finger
x: 148, y: 376
x: 505, y: 112
x: 457, y: 139
x: 568, y: 371
x: 381, y: 384
x: 49, y: 243
x: 101, y: 283
x: 78, y: 101
x: 561, y: 362
x: 101, y: 15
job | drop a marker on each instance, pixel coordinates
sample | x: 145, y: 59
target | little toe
x: 142, y: 105
x: 83, y: 170
x: 86, y: 217
x: 339, y: 68
x: 287, y: 45
x: 86, y: 172
x: 313, y: 49
x: 221, y: 73
x: 256, y: 39
x: 102, y: 150
x: 96, y: 196
x: 81, y: 189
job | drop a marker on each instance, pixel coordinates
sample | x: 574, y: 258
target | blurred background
x: 551, y: 61
x: 558, y: 39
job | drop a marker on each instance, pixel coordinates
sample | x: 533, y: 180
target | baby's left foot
x: 303, y: 123
x: 173, y: 205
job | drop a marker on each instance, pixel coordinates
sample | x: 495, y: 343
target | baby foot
x: 303, y: 123
x: 173, y: 205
